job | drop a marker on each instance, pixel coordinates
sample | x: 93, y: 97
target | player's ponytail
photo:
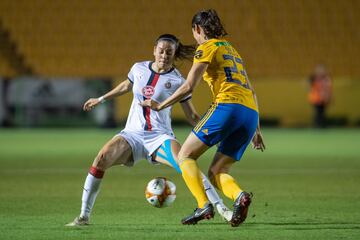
x: 182, y: 51
x: 210, y: 23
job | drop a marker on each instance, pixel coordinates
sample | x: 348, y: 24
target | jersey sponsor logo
x: 199, y: 54
x: 148, y: 91
x: 168, y: 85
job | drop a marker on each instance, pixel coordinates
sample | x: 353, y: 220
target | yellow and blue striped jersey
x: 225, y: 75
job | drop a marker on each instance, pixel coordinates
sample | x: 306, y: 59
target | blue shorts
x: 232, y: 125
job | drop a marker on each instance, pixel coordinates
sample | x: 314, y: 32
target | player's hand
x: 151, y: 104
x: 90, y: 104
x: 258, y: 141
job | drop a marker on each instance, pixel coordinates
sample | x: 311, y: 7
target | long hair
x: 210, y: 22
x: 182, y: 51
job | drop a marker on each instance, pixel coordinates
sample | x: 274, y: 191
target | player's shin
x: 91, y: 189
x: 210, y: 191
x: 192, y: 177
x: 228, y: 185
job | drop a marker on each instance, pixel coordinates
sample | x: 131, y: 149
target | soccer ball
x: 160, y: 192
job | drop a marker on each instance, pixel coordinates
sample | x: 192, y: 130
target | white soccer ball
x: 160, y: 192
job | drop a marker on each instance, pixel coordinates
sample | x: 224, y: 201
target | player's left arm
x: 196, y: 72
x: 191, y: 115
x: 258, y: 140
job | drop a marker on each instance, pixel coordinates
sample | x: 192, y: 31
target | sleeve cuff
x: 186, y: 99
x: 130, y: 80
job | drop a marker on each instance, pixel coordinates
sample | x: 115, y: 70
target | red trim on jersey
x: 152, y: 82
x: 147, y: 118
x: 96, y: 172
x: 156, y: 78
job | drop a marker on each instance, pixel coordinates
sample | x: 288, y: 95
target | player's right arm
x: 121, y: 89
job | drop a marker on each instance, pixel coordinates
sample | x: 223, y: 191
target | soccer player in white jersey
x: 147, y: 134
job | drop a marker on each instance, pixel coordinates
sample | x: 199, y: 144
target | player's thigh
x: 114, y: 152
x: 167, y: 154
x: 192, y: 148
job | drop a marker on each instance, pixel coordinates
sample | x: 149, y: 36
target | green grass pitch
x: 306, y: 185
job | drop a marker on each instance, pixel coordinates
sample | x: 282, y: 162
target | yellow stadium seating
x: 278, y: 39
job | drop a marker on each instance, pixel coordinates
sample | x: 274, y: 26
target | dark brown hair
x: 210, y: 22
x: 182, y: 51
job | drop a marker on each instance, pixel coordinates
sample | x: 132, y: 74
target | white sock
x: 91, y: 189
x: 211, y: 193
x: 215, y: 200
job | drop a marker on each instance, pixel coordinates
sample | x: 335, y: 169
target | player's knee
x: 212, y: 172
x: 215, y: 170
x: 183, y: 156
x: 180, y: 160
x: 211, y: 177
x: 186, y: 153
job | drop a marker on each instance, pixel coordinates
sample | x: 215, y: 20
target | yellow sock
x: 192, y: 177
x: 227, y: 185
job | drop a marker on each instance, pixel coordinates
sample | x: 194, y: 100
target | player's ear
x: 197, y: 29
x: 155, y: 49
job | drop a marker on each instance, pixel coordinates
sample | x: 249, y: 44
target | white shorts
x: 144, y: 144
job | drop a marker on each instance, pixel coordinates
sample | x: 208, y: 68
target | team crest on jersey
x: 148, y: 91
x: 198, y: 54
x: 168, y: 85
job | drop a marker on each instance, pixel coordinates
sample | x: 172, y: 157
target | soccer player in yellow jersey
x: 232, y: 120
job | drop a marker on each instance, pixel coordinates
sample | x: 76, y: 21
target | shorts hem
x: 220, y: 151
x: 202, y: 140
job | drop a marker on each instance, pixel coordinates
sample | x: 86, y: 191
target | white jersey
x: 157, y: 86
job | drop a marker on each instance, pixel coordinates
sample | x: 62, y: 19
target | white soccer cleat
x: 78, y: 221
x: 224, y: 212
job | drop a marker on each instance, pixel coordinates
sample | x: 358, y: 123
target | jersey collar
x: 170, y: 70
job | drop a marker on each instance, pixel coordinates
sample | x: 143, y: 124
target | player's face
x: 164, y: 53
